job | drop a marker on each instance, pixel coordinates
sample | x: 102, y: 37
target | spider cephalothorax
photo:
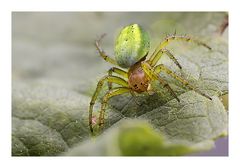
x: 138, y: 80
x: 131, y: 51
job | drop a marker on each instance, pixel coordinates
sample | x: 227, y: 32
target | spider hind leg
x: 163, y: 68
x: 116, y: 71
x: 102, y: 53
x: 107, y: 96
x: 157, y: 54
x: 154, y: 76
x: 112, y: 79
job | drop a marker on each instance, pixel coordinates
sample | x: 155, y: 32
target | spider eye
x: 135, y: 86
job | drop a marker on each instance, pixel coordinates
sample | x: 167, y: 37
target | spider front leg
x: 102, y: 53
x: 123, y: 74
x: 113, y: 79
x: 163, y: 68
x: 167, y: 40
x: 117, y: 71
x: 155, y: 58
x: 154, y: 76
x: 107, y: 96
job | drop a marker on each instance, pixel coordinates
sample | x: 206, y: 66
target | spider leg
x: 163, y: 68
x: 102, y: 53
x: 170, y: 38
x: 154, y: 76
x: 113, y: 79
x: 117, y: 71
x: 107, y: 96
x: 155, y: 58
x: 165, y: 84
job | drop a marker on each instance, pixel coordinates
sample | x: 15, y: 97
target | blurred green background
x: 55, y: 51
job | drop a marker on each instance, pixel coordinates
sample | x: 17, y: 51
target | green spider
x: 131, y: 49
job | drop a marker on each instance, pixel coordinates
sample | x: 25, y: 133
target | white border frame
x: 118, y: 5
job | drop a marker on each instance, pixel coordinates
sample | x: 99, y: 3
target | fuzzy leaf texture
x: 55, y: 74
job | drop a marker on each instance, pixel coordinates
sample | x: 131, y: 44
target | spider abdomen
x: 132, y: 44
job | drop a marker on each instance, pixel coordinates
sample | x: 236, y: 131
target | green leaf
x: 53, y: 85
x: 47, y: 121
x: 176, y: 129
x: 133, y: 138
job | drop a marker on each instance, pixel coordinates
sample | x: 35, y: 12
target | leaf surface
x: 53, y: 82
